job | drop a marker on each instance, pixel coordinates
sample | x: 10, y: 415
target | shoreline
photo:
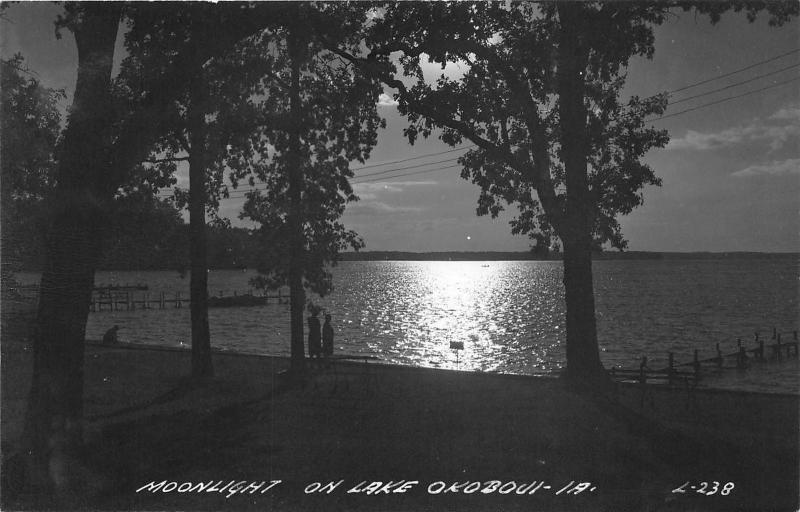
x: 377, y: 361
x: 365, y: 421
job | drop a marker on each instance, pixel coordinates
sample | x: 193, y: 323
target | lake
x: 508, y: 314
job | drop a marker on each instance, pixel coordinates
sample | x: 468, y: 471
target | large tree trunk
x: 202, y: 370
x: 296, y: 289
x: 54, y: 419
x: 583, y: 358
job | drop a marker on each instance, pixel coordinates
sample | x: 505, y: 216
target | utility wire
x: 751, y: 66
x: 648, y: 120
x: 448, y: 160
x: 405, y: 168
x: 735, y: 85
x: 169, y: 194
x: 358, y: 179
x: 425, y: 171
x: 414, y: 158
x: 723, y: 100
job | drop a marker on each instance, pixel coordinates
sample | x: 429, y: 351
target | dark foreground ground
x: 445, y: 440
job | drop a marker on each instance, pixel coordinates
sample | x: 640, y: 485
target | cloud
x: 777, y: 136
x: 778, y: 130
x: 389, y: 186
x: 777, y: 168
x: 384, y: 100
x: 378, y: 207
x: 791, y: 113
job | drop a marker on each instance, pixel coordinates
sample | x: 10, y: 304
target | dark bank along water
x: 509, y: 315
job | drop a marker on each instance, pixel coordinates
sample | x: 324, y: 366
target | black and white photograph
x: 400, y: 256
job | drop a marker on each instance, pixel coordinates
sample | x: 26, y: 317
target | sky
x: 731, y: 172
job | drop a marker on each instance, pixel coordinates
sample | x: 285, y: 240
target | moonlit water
x: 509, y: 315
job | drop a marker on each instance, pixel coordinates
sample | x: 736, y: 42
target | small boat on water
x: 237, y: 301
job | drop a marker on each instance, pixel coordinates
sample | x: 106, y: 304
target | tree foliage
x: 30, y: 122
x: 540, y: 98
x: 337, y: 123
x: 508, y: 104
x: 103, y: 143
x: 319, y: 114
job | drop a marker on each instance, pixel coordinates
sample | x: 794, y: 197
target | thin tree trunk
x: 54, y: 419
x: 296, y: 290
x: 202, y: 369
x: 583, y: 358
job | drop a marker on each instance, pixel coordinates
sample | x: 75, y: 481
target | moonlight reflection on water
x: 509, y: 315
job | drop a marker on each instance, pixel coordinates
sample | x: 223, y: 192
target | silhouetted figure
x: 314, y: 338
x: 110, y: 337
x: 643, y: 369
x: 327, y: 337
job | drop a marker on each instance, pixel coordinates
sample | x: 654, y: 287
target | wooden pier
x: 782, y: 345
x: 120, y: 299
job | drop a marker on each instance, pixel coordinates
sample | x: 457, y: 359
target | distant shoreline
x: 508, y: 256
x: 530, y: 256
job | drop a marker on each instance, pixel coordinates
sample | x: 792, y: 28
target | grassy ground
x: 357, y: 422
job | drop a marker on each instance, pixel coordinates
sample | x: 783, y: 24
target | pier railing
x: 781, y: 345
x: 129, y: 299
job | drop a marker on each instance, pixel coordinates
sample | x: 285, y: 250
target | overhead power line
x: 425, y: 171
x: 359, y: 179
x: 405, y: 168
x: 723, y: 100
x: 751, y: 66
x: 736, y: 84
x: 414, y: 158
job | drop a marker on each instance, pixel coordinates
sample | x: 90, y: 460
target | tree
x: 145, y: 233
x: 31, y: 123
x: 206, y: 126
x: 55, y: 407
x: 101, y: 146
x: 320, y: 115
x: 540, y: 100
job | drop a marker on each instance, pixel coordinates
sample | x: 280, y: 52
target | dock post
x: 761, y: 349
x: 739, y: 342
x: 696, y: 365
x: 178, y: 299
x: 774, y: 333
x: 671, y: 369
x: 778, y: 349
x: 643, y: 379
x: 719, y: 356
x: 741, y: 359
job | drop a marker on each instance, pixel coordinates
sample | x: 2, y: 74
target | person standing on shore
x: 110, y: 337
x: 314, y: 346
x: 327, y: 337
